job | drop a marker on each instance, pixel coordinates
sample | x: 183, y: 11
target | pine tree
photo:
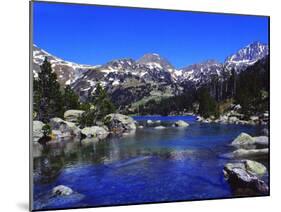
x: 207, y: 104
x: 101, y: 106
x: 48, y: 100
x: 71, y: 99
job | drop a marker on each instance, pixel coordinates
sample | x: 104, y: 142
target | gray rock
x: 72, y: 115
x: 181, y: 123
x: 244, y: 141
x: 37, y: 130
x: 62, y: 190
x: 65, y: 127
x: 95, y: 131
x: 261, y: 141
x: 251, y: 153
x: 240, y: 176
x: 159, y: 127
x: 118, y: 123
x: 149, y: 121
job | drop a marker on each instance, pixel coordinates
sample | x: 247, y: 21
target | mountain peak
x: 155, y: 60
x: 247, y: 55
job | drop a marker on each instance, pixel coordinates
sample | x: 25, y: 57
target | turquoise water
x: 151, y: 165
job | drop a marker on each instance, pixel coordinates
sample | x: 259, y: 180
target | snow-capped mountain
x: 154, y: 60
x: 129, y: 81
x: 246, y: 56
x: 200, y: 73
x: 133, y: 82
x: 67, y: 72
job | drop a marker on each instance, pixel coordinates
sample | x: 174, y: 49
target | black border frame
x: 31, y: 103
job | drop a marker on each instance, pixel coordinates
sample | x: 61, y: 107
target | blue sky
x: 96, y: 34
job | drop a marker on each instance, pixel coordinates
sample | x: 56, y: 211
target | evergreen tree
x: 101, y: 106
x: 71, y: 99
x: 47, y: 96
x: 207, y: 104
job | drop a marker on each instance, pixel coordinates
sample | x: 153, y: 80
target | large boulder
x: 62, y: 190
x: 240, y: 178
x: 118, y: 123
x: 181, y: 123
x: 250, y: 166
x: 244, y: 141
x: 261, y: 141
x: 73, y: 115
x: 37, y: 130
x: 251, y: 153
x: 95, y: 131
x: 255, y: 167
x: 63, y: 128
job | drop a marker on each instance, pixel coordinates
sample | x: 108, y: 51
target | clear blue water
x: 151, y: 165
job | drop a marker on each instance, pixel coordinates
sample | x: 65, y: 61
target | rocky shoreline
x: 245, y: 172
x: 234, y: 116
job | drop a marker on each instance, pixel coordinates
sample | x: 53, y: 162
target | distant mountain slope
x: 67, y: 72
x: 131, y: 83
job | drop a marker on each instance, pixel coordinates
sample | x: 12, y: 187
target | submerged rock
x: 118, y: 123
x: 243, y: 176
x: 73, y: 115
x: 181, y: 123
x: 62, y: 190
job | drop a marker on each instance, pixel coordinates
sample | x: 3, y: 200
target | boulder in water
x: 95, y: 131
x: 241, y: 176
x: 62, y: 190
x: 244, y: 141
x: 118, y: 123
x: 251, y: 153
x: 149, y: 121
x: 65, y: 127
x: 181, y: 123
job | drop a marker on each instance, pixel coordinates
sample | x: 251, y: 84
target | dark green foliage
x: 99, y: 107
x: 46, y: 130
x: 253, y: 88
x: 168, y: 106
x: 71, y: 99
x: 48, y: 100
x: 207, y: 104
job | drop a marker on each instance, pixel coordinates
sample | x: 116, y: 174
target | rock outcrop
x: 118, y: 123
x: 95, y: 131
x: 62, y: 129
x: 244, y: 176
x: 37, y: 130
x: 73, y: 115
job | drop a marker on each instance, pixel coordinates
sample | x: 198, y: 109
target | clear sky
x: 95, y: 34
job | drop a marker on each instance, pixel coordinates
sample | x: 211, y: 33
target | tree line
x: 50, y: 99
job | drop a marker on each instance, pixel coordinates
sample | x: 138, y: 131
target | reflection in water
x: 148, y: 166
